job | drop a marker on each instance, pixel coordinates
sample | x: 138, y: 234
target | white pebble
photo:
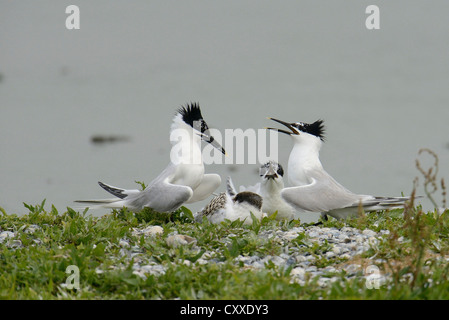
x: 336, y: 250
x: 123, y: 243
x: 179, y: 239
x: 6, y: 234
x: 352, y: 268
x: 298, y: 272
x: 153, y: 230
x: 313, y: 234
x: 32, y: 228
x: 345, y: 256
x: 369, y: 233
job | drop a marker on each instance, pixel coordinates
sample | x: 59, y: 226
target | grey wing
x: 217, y: 203
x: 207, y: 186
x: 161, y: 195
x: 321, y: 195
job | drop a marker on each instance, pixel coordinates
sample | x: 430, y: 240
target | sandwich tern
x: 313, y: 189
x: 232, y: 206
x: 269, y: 188
x: 182, y: 181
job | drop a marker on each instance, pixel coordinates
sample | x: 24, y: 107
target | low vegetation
x: 38, y: 251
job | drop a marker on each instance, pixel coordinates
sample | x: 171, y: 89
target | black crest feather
x: 316, y: 128
x: 191, y: 113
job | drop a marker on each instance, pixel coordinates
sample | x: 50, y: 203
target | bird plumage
x: 183, y: 180
x: 269, y: 188
x: 312, y: 188
x: 231, y: 205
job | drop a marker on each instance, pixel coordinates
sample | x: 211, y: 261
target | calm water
x: 382, y: 93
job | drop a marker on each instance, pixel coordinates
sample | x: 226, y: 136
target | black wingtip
x: 119, y: 193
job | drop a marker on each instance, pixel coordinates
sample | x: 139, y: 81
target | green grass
x: 416, y: 247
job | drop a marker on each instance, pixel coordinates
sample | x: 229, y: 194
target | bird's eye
x: 301, y: 126
x: 204, y: 126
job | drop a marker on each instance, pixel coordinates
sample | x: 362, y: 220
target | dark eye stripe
x: 280, y: 170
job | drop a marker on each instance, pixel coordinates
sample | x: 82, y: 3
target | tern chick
x: 231, y: 205
x: 270, y: 187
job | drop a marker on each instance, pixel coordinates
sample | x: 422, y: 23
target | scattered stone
x: 149, y: 231
x: 369, y: 233
x: 32, y: 228
x: 335, y: 245
x: 6, y: 234
x: 298, y: 272
x: 179, y: 239
x: 352, y: 268
x: 123, y: 243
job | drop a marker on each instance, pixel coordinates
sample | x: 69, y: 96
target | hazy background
x: 383, y: 94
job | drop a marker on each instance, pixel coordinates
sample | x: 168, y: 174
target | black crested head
x: 277, y: 166
x: 191, y: 115
x: 316, y: 128
x: 250, y: 197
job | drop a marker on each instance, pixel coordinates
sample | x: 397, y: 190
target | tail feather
x: 102, y: 203
x: 98, y: 201
x: 114, y: 203
x: 384, y: 203
x: 388, y: 201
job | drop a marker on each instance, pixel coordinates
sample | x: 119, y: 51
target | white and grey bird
x: 312, y: 188
x: 183, y: 180
x: 231, y: 205
x: 269, y: 188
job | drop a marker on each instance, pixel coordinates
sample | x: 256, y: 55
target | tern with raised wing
x: 312, y: 188
x: 183, y: 180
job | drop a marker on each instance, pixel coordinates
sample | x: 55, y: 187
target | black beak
x: 210, y: 139
x: 271, y: 174
x: 288, y: 125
